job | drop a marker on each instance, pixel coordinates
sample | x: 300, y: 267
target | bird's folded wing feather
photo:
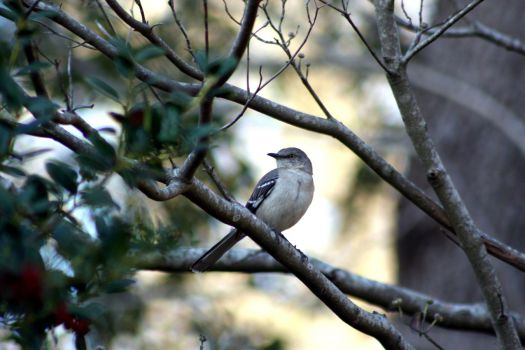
x: 262, y: 190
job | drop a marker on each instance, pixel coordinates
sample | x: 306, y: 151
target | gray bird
x: 280, y: 199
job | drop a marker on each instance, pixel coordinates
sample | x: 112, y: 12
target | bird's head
x: 292, y: 157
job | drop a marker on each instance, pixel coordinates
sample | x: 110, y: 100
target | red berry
x: 81, y: 326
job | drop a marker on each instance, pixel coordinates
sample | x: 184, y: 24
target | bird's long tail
x: 217, y: 251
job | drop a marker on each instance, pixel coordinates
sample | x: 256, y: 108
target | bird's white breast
x: 288, y: 201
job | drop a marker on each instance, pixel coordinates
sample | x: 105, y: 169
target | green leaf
x: 71, y: 241
x: 35, y: 153
x: 119, y: 286
x: 7, y: 204
x: 148, y: 52
x: 170, y: 126
x: 202, y: 60
x: 13, y: 96
x: 63, y: 174
x: 6, y: 138
x: 11, y: 170
x: 226, y: 66
x: 8, y: 14
x: 104, y: 148
x: 34, y: 196
x: 98, y: 197
x: 42, y: 108
x: 124, y: 59
x: 103, y: 160
x: 92, y: 311
x: 33, y: 67
x: 104, y: 88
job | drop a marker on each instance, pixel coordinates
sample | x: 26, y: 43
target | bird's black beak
x: 274, y: 155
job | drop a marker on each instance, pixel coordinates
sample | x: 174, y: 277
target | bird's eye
x: 292, y: 156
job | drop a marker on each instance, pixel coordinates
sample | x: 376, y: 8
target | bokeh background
x: 469, y: 90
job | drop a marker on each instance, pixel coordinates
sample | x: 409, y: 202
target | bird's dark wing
x: 262, y: 190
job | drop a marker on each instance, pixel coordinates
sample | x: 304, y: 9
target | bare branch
x: 181, y: 28
x: 206, y: 33
x: 346, y: 15
x: 449, y: 23
x: 142, y: 15
x: 476, y: 29
x: 284, y: 44
x: 456, y: 211
x: 392, y: 298
x: 210, y: 170
x: 237, y: 50
x: 147, y: 32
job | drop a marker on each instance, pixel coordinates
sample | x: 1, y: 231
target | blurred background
x: 470, y: 91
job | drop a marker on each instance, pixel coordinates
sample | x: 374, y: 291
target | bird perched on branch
x: 280, y: 199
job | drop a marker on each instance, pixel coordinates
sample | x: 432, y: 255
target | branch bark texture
x: 392, y: 298
x: 456, y: 211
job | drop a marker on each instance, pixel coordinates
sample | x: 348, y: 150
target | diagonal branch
x: 449, y: 23
x: 147, y: 31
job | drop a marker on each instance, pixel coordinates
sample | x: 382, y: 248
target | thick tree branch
x: 275, y: 244
x: 392, y: 298
x: 456, y: 211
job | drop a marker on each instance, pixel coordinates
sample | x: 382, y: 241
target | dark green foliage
x: 65, y: 243
x: 63, y: 175
x: 36, y: 297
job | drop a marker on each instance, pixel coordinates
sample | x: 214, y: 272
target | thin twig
x: 60, y: 35
x: 181, y: 28
x: 148, y: 33
x: 106, y: 17
x: 405, y: 12
x: 142, y: 15
x: 260, y: 86
x: 475, y: 29
x: 206, y: 34
x: 31, y: 9
x: 284, y: 44
x: 344, y: 12
x: 210, y: 170
x: 71, y: 97
x: 449, y: 23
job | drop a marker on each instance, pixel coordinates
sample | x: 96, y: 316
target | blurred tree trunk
x: 472, y: 93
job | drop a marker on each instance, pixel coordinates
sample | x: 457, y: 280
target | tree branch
x: 449, y: 23
x: 476, y: 29
x: 236, y: 52
x: 456, y: 211
x: 147, y: 31
x: 392, y: 298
